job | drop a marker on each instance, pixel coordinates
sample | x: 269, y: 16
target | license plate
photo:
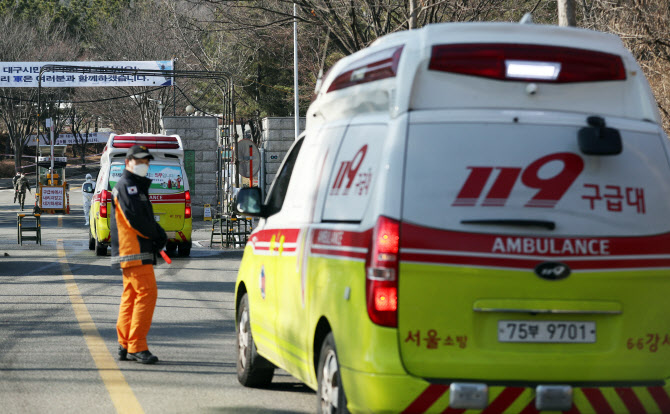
x: 157, y: 218
x: 547, y: 331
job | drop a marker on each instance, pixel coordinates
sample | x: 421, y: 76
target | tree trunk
x: 412, y: 14
x: 18, y: 155
x: 566, y: 13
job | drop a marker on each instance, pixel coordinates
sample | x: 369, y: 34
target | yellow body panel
x: 377, y: 380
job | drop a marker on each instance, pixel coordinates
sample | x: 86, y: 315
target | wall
x: 278, y: 136
x: 198, y: 133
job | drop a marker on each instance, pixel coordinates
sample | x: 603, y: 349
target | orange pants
x: 137, y: 307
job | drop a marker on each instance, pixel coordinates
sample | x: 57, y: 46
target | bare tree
x: 80, y: 125
x: 643, y: 27
x: 38, y: 41
x: 140, y: 33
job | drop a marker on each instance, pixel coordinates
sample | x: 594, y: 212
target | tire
x: 100, y: 248
x: 185, y: 249
x: 91, y: 240
x: 171, y: 248
x: 330, y: 392
x: 252, y: 369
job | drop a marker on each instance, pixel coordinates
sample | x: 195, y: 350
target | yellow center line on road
x: 122, y: 395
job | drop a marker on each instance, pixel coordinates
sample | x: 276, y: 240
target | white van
x: 476, y: 218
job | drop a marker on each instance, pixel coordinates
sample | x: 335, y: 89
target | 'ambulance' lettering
x: 330, y: 237
x: 529, y: 245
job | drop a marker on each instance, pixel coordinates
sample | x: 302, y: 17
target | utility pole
x: 296, y: 104
x: 566, y: 13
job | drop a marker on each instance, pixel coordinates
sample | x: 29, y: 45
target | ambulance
x: 475, y: 220
x: 169, y: 192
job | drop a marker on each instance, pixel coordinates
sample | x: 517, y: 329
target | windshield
x: 165, y: 179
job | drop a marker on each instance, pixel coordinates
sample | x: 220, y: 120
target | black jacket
x: 136, y: 236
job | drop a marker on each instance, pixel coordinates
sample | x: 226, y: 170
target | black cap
x: 139, y: 151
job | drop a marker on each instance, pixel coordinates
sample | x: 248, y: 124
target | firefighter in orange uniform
x: 136, y: 239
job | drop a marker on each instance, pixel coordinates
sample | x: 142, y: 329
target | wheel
x: 91, y: 240
x: 330, y: 392
x: 252, y: 369
x: 171, y: 248
x: 185, y: 249
x: 100, y: 248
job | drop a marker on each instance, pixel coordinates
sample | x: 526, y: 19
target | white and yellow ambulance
x: 475, y: 220
x: 169, y: 192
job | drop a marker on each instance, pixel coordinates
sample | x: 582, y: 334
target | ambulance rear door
x: 167, y: 191
x: 523, y: 257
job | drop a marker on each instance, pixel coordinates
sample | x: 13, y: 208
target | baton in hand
x: 166, y: 257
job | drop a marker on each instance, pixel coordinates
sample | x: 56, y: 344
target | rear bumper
x: 183, y: 235
x: 375, y: 393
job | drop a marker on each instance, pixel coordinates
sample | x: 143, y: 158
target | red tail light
x: 105, y: 197
x: 381, y: 270
x: 187, y: 208
x: 379, y: 65
x: 536, y: 63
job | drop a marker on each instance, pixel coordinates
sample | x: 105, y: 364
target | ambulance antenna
x: 526, y: 19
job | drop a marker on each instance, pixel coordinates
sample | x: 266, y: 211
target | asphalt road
x: 58, y: 309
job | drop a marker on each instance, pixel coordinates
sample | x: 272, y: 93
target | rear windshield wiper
x: 546, y: 224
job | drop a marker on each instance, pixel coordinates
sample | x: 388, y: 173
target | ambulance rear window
x: 165, y: 178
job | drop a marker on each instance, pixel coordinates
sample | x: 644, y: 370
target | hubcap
x: 243, y: 338
x: 329, y: 386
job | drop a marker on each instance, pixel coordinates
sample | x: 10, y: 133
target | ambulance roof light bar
x: 151, y: 142
x: 519, y: 62
x: 379, y: 65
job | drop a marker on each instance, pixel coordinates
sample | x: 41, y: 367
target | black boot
x: 143, y: 357
x: 123, y: 354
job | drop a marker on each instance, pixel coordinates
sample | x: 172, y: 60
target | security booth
x: 52, y: 193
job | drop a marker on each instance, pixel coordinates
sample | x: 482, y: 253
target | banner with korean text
x: 24, y: 74
x: 69, y: 139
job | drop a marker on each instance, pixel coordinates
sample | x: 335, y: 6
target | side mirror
x: 249, y: 202
x: 597, y: 139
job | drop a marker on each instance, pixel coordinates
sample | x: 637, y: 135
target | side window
x: 275, y: 198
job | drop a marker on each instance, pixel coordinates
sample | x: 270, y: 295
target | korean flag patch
x: 132, y: 190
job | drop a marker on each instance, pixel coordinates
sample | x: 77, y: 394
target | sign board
x: 25, y: 74
x: 69, y: 139
x: 52, y: 198
x: 208, y: 213
x: 165, y: 179
x: 48, y: 159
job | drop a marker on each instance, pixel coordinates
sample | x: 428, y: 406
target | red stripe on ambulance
x: 167, y: 198
x: 429, y: 245
x: 631, y: 401
x: 595, y: 397
x: 510, y: 262
x: 597, y: 400
x: 503, y: 400
x: 260, y: 238
x: 661, y: 397
x: 427, y: 398
x: 530, y: 408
